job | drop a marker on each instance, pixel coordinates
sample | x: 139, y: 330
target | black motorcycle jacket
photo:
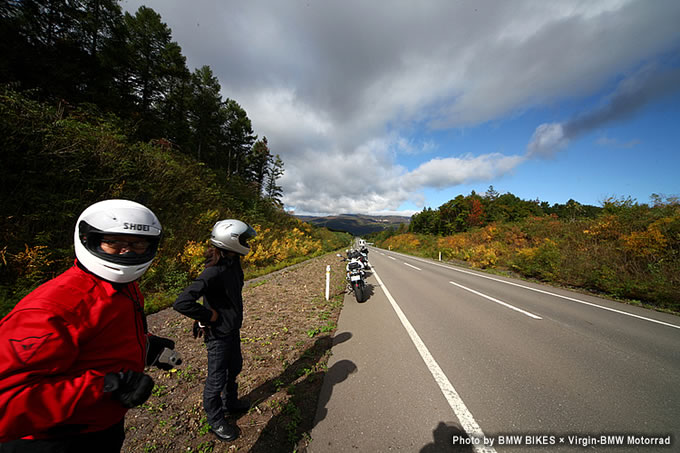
x: 220, y: 286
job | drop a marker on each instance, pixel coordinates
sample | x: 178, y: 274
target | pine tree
x: 206, y: 115
x: 273, y: 191
x: 152, y: 58
x: 238, y: 136
x: 258, y: 163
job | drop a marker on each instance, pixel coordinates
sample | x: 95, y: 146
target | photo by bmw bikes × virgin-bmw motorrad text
x: 355, y: 274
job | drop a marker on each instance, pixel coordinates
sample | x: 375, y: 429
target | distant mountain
x: 356, y: 224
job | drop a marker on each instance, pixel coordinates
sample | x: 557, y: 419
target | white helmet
x: 118, y: 217
x: 232, y: 235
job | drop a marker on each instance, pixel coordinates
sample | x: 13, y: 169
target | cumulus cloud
x: 373, y: 185
x: 447, y: 172
x: 547, y: 140
x: 329, y: 83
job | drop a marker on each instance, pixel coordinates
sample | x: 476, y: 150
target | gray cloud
x: 632, y: 94
x: 339, y: 87
x: 606, y: 141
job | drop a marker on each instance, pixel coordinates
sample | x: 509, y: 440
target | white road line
x: 391, y: 257
x: 512, y: 307
x: 621, y: 312
x: 466, y: 419
x: 416, y: 268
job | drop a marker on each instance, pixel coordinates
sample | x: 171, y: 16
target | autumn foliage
x: 629, y: 250
x: 56, y: 164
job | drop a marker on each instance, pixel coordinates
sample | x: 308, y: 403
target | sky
x: 391, y: 106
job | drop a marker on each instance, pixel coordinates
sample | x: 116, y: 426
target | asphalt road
x: 441, y: 358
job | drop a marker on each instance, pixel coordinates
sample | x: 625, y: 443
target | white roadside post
x: 440, y: 256
x: 328, y: 281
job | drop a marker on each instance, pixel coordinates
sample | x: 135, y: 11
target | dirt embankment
x: 286, y: 340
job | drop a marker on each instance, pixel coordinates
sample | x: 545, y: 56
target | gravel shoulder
x: 286, y: 340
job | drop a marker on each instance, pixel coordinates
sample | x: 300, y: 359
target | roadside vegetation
x: 623, y: 249
x: 56, y: 163
x: 286, y: 340
x: 95, y: 104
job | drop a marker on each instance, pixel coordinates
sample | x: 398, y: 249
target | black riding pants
x: 109, y: 440
x: 224, y: 364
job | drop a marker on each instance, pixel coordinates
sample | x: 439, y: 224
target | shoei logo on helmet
x: 135, y: 226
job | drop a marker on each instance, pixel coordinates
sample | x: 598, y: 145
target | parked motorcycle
x: 364, y: 256
x: 355, y: 275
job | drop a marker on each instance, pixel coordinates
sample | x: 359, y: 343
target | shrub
x: 630, y: 251
x: 483, y: 257
x: 541, y: 262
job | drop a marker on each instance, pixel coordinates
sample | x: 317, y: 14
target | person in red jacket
x: 73, y: 351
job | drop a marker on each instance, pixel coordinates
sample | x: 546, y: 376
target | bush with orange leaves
x: 606, y: 228
x: 541, y: 261
x: 631, y: 252
x: 274, y: 247
x: 31, y: 267
x: 269, y: 248
x: 652, y: 242
x: 483, y: 256
x: 33, y: 263
x: 407, y: 242
x: 454, y: 247
x: 193, y: 257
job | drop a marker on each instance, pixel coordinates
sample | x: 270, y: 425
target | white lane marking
x: 466, y: 419
x: 621, y: 312
x: 391, y: 257
x: 416, y: 268
x: 505, y: 304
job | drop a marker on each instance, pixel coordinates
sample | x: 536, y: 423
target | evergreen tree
x: 425, y: 222
x: 273, y: 191
x: 238, y: 136
x: 258, y: 163
x: 454, y: 214
x: 102, y: 36
x: 174, y: 108
x: 88, y: 51
x: 43, y: 47
x: 206, y: 116
x: 97, y: 23
x: 152, y: 58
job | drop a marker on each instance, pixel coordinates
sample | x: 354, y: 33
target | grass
x: 286, y: 341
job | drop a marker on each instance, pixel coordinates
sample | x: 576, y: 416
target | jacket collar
x: 109, y: 287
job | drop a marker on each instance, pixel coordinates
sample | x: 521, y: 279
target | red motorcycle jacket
x: 57, y: 345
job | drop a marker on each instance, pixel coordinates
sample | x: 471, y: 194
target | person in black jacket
x: 219, y: 321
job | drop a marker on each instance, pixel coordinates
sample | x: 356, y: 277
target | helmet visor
x: 119, y: 249
x: 247, y: 235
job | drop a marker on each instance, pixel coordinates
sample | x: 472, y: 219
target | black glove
x: 200, y: 329
x: 129, y: 387
x: 154, y: 347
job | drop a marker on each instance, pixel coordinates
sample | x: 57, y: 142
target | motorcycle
x: 355, y: 275
x: 363, y: 251
x: 361, y: 255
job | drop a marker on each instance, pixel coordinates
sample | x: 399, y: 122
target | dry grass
x: 286, y: 340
